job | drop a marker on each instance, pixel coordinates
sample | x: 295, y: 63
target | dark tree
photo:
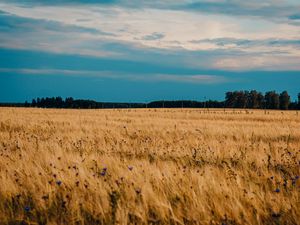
x: 260, y: 100
x: 229, y: 99
x: 237, y: 99
x: 255, y: 100
x: 284, y: 100
x: 59, y: 103
x: 241, y: 99
x: 42, y: 102
x: 271, y: 100
x: 38, y: 102
x: 33, y: 103
x: 69, y: 102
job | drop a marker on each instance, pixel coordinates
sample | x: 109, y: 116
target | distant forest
x: 236, y: 99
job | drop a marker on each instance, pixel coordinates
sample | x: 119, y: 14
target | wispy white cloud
x: 258, y: 62
x: 196, y: 79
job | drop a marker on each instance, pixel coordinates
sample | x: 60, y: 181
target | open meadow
x: 149, y: 166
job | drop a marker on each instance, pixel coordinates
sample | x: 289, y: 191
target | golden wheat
x: 149, y: 166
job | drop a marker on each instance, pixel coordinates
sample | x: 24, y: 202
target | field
x: 149, y: 166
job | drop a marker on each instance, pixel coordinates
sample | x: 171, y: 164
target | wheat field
x: 149, y: 166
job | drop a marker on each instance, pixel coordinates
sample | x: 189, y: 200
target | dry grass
x: 166, y: 166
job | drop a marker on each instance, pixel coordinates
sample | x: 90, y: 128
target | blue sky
x: 138, y: 50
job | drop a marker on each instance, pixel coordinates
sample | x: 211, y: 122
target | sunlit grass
x: 157, y: 166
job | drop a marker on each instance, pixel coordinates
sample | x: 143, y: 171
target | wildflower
x: 63, y: 204
x: 45, y: 197
x: 277, y: 190
x: 27, y: 208
x: 276, y: 215
x: 103, y: 173
x: 285, y: 183
x: 138, y: 191
x: 58, y: 182
x: 294, y: 180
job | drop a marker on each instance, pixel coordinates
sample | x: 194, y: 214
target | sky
x: 139, y: 51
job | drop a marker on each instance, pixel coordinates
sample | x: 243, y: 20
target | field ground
x: 149, y: 166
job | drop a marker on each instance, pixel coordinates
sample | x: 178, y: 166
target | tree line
x: 233, y: 99
x: 58, y: 102
x: 256, y: 100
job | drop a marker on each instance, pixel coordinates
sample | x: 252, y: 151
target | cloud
x: 258, y: 62
x: 235, y: 42
x: 279, y: 11
x: 183, y: 78
x: 294, y: 17
x: 153, y: 36
x: 276, y: 10
x: 159, y: 33
x: 196, y: 79
x: 60, y: 2
x: 48, y: 35
x: 28, y: 24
